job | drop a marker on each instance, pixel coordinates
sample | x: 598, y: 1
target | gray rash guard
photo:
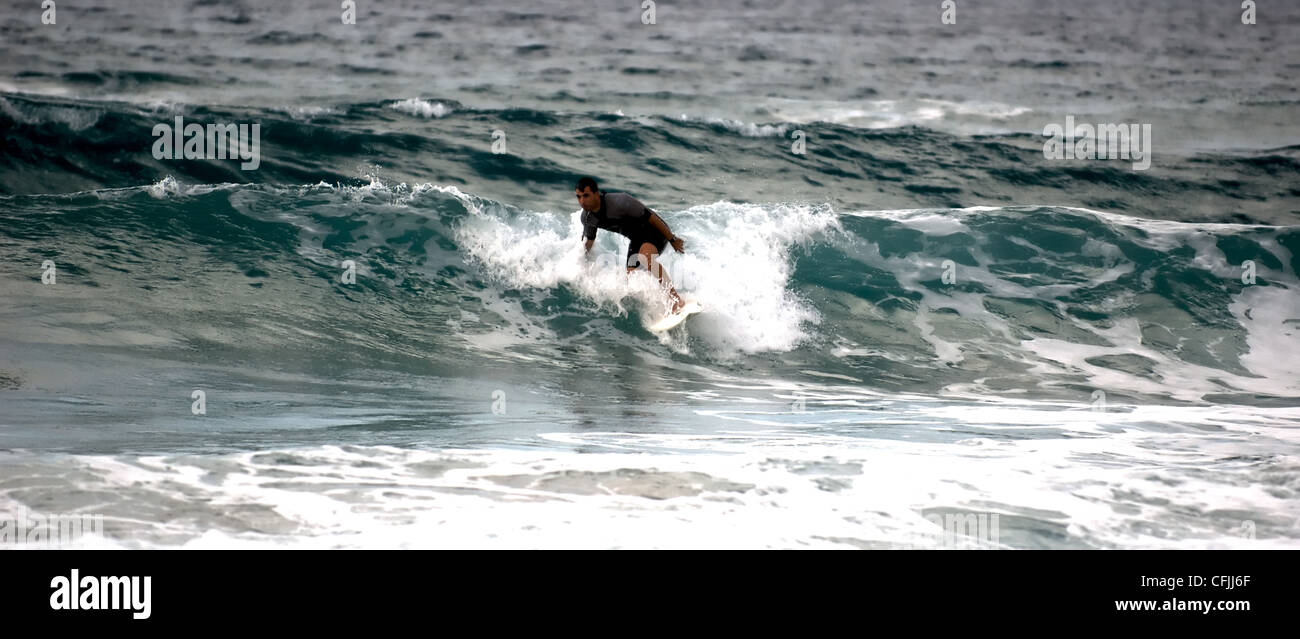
x: 623, y: 214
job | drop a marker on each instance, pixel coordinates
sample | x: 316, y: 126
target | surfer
x: 646, y: 232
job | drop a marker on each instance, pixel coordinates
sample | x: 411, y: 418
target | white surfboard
x: 677, y: 318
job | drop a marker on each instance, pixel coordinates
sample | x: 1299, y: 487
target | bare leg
x: 650, y: 256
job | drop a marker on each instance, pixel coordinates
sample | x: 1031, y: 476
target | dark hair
x: 587, y: 183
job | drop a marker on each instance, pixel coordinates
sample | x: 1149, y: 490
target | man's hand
x: 678, y: 244
x: 588, y: 244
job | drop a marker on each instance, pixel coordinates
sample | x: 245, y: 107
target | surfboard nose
x: 673, y: 319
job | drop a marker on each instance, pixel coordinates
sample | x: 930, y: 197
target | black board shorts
x: 634, y: 246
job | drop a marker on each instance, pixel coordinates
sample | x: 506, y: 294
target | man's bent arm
x: 658, y: 222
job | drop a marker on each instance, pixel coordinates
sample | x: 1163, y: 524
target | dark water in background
x: 838, y: 391
x: 953, y: 114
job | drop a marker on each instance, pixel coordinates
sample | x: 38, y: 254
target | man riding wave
x: 647, y: 233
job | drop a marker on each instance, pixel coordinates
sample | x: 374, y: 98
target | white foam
x: 726, y: 243
x: 936, y: 224
x: 970, y: 117
x: 747, y: 129
x: 168, y: 187
x: 76, y: 119
x: 306, y: 113
x: 1085, y: 479
x: 163, y: 188
x: 422, y: 108
x: 1271, y: 317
